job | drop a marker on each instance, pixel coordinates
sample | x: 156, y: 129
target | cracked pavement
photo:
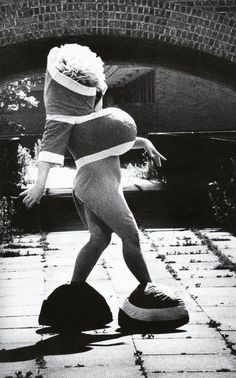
x: 198, y: 264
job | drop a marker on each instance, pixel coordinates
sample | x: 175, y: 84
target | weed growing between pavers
x: 229, y: 344
x: 139, y: 361
x: 214, y: 324
x: 73, y: 366
x: 224, y: 261
x: 18, y: 248
x: 147, y: 336
x: 41, y: 363
x: 28, y: 374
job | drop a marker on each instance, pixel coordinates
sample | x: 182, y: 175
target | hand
x: 32, y: 195
x: 153, y: 153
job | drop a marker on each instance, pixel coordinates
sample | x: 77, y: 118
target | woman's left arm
x: 150, y: 149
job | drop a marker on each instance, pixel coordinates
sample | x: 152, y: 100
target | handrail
x: 193, y: 132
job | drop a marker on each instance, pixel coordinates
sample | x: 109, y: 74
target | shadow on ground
x: 66, y: 343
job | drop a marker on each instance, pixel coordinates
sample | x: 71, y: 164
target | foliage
x: 15, y: 161
x: 15, y: 96
x: 222, y: 192
x: 24, y: 161
x: 9, y: 176
x: 7, y: 212
x: 37, y: 147
x: 147, y: 170
x: 8, y: 126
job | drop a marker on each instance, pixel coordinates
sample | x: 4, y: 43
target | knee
x: 131, y: 239
x: 100, y: 239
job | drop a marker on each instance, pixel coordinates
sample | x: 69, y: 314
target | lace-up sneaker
x: 152, y: 307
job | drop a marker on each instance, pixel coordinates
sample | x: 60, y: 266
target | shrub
x: 222, y: 192
x: 147, y: 170
x: 7, y: 212
x: 24, y: 161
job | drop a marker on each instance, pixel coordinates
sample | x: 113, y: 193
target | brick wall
x: 224, y: 7
x: 206, y: 26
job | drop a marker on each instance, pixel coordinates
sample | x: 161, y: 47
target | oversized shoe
x: 152, y: 307
x: 75, y: 307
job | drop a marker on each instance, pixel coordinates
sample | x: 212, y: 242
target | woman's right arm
x: 33, y: 195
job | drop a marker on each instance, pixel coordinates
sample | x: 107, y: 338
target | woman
x: 74, y: 87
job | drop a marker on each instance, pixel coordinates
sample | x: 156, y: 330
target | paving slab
x: 21, y: 291
x: 188, y: 331
x: 191, y: 259
x: 207, y: 273
x: 225, y: 301
x: 19, y: 322
x: 210, y: 282
x: 226, y: 316
x: 193, y: 346
x: 158, y: 271
x: 189, y: 363
x: 194, y: 374
x: 118, y: 356
x: 231, y: 336
x: 198, y: 317
x: 20, y: 301
x: 19, y: 335
x: 107, y: 352
x: 95, y: 372
x: 18, y: 274
x: 26, y: 262
x: 20, y: 310
x: 11, y: 284
x: 212, y: 292
x: 10, y: 368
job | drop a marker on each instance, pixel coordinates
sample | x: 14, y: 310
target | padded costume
x: 95, y: 140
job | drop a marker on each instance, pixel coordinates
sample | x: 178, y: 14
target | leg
x: 134, y: 258
x: 114, y: 212
x: 100, y: 236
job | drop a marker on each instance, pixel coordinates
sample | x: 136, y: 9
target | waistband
x: 77, y: 119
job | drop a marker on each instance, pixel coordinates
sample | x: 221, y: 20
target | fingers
x: 160, y: 156
x: 28, y: 201
x: 29, y: 204
x: 157, y: 161
x: 153, y: 153
x: 22, y: 194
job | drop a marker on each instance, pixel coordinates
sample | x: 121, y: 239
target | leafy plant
x: 222, y: 193
x: 24, y: 161
x: 37, y: 147
x: 7, y: 125
x: 7, y: 212
x: 147, y: 170
x: 16, y: 95
x: 213, y: 323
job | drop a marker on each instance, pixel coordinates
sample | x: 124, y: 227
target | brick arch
x: 196, y: 25
x: 174, y: 35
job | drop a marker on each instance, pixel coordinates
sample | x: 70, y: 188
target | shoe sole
x: 128, y: 323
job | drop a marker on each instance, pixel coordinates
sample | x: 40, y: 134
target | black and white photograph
x: 117, y: 189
